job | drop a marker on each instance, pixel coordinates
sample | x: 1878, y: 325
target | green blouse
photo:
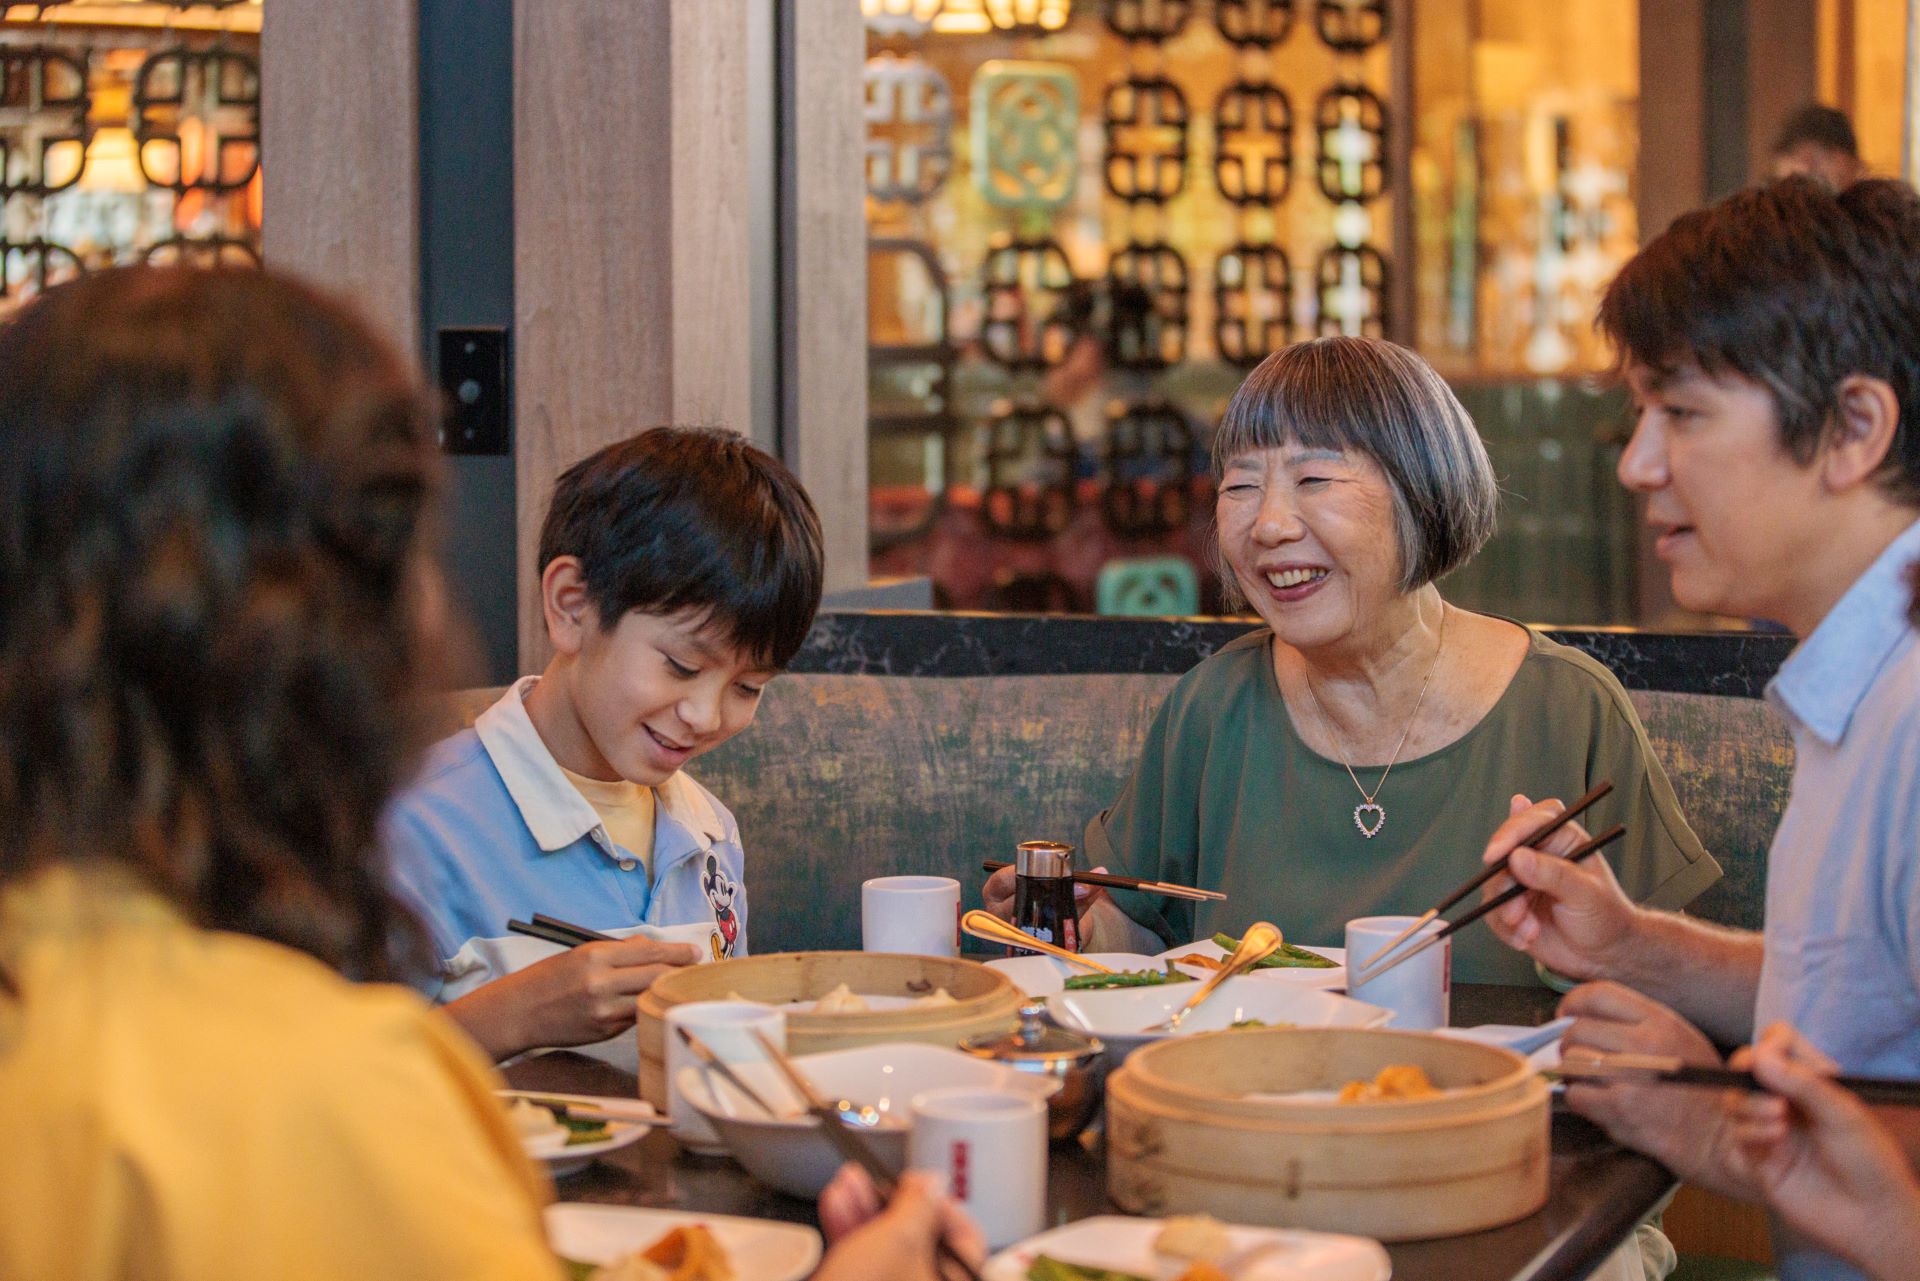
x: 1226, y: 796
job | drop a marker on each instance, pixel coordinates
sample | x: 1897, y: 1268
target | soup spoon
x: 1259, y: 942
x: 985, y: 925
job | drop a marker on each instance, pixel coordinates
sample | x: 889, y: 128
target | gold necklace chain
x: 1368, y: 804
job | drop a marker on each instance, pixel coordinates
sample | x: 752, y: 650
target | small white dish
x: 788, y: 1153
x: 1521, y: 1040
x: 1121, y: 1016
x: 1126, y: 1245
x: 563, y: 1159
x: 756, y: 1248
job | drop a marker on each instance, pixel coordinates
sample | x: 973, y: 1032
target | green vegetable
x: 1288, y: 957
x: 1126, y: 978
x: 1247, y: 1023
x: 578, y: 1271
x: 581, y: 1130
x: 1049, y: 1269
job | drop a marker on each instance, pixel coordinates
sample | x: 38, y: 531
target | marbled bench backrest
x: 846, y: 777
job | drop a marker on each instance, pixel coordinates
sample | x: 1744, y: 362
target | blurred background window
x: 129, y: 132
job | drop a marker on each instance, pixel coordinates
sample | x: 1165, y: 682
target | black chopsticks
x: 1493, y: 869
x: 555, y: 930
x: 1657, y: 1069
x: 1507, y: 895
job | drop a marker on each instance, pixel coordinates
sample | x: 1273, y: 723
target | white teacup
x: 1419, y: 992
x: 914, y: 914
x: 990, y: 1148
x: 726, y: 1028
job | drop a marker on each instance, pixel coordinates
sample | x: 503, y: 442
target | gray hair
x: 1372, y: 397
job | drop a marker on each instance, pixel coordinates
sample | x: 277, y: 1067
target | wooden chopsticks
x: 1659, y: 1069
x: 555, y: 930
x: 1493, y: 869
x: 1166, y: 889
x: 1505, y: 896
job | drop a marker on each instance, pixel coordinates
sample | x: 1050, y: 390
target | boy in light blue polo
x: 680, y: 571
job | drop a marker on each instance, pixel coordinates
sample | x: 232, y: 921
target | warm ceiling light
x: 962, y: 18
x: 113, y: 163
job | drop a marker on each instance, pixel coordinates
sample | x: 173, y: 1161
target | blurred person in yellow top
x: 215, y: 611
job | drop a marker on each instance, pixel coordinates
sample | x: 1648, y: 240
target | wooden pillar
x: 824, y: 293
x: 631, y: 239
x: 1783, y: 72
x: 340, y: 85
x: 1673, y: 112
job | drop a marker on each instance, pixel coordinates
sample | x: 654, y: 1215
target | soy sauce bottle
x: 1043, y: 903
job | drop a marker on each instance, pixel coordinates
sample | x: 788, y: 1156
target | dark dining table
x: 1597, y: 1190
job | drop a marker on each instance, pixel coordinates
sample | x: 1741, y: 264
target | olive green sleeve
x: 1659, y: 862
x: 1149, y: 830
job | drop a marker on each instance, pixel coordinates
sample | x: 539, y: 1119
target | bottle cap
x: 1047, y: 859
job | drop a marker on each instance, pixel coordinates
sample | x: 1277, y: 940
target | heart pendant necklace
x: 1369, y: 815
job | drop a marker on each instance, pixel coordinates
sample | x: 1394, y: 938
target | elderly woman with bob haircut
x: 1349, y: 758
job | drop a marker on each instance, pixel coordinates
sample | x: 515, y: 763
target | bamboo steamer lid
x: 1184, y: 1136
x: 984, y: 1001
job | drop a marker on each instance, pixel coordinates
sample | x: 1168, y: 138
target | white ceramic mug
x: 915, y: 914
x: 990, y: 1148
x: 726, y: 1028
x: 1418, y: 992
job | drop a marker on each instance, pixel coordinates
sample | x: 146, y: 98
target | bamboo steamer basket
x: 985, y: 1000
x: 1183, y: 1137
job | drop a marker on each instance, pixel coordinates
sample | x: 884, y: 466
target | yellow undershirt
x: 626, y: 809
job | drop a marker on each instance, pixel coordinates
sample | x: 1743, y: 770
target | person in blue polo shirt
x: 680, y: 571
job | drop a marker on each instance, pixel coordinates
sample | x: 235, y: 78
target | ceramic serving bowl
x: 789, y: 1153
x: 1121, y: 1017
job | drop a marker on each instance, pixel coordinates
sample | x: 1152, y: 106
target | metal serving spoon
x: 1259, y: 942
x: 987, y: 926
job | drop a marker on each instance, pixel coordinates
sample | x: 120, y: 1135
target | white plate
x: 1120, y: 1016
x: 757, y: 1248
x: 1334, y: 977
x: 562, y: 1158
x: 1126, y: 1245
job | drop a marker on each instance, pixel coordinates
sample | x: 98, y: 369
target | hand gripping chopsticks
x: 851, y: 1144
x: 1493, y: 869
x: 1505, y: 896
x: 1658, y: 1069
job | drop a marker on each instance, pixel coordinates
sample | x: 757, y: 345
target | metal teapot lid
x: 1034, y: 1041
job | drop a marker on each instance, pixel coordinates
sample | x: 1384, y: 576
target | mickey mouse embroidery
x: 721, y: 890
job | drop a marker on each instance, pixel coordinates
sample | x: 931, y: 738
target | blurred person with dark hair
x: 1818, y: 142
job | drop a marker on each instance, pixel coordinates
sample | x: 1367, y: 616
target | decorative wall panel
x: 134, y: 141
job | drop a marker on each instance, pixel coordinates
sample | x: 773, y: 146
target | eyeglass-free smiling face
x: 1310, y: 537
x: 655, y: 691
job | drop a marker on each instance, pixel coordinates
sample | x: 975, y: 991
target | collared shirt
x: 182, y: 1104
x: 1843, y: 881
x: 492, y: 831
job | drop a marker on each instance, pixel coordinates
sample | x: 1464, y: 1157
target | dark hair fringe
x: 693, y: 519
x: 1794, y: 288
x: 212, y: 491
